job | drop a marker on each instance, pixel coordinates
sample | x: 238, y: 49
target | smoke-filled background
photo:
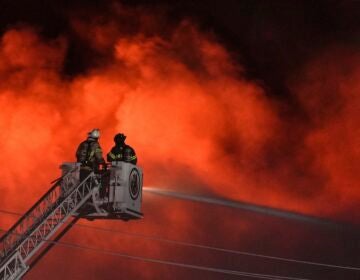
x: 254, y: 101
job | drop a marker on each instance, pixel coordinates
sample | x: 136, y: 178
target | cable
x: 188, y: 244
x: 184, y: 265
x: 165, y: 262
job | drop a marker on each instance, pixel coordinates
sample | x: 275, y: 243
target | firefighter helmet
x: 119, y: 138
x: 95, y: 133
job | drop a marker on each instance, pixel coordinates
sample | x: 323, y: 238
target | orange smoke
x: 196, y: 122
x: 329, y: 93
x: 186, y: 107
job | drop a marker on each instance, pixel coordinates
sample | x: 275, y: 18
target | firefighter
x: 121, y: 151
x: 89, y: 153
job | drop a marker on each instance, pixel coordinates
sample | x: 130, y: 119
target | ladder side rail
x: 51, y: 244
x: 57, y: 218
x: 15, y: 266
x: 31, y: 217
x: 22, y: 222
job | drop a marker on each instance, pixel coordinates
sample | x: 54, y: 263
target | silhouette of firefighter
x: 89, y: 154
x: 121, y: 151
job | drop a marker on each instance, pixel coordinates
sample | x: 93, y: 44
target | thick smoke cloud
x: 186, y: 107
x: 197, y: 122
x: 328, y: 91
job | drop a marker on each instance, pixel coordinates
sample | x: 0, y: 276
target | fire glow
x: 197, y: 123
x: 187, y: 109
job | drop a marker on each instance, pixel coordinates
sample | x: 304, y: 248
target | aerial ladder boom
x: 28, y: 236
x: 114, y: 193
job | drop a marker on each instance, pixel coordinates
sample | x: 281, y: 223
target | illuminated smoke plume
x: 328, y: 92
x: 196, y: 122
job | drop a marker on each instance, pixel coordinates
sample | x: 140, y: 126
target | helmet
x: 95, y: 133
x: 119, y: 138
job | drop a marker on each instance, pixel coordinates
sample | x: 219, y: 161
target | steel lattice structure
x: 41, y: 222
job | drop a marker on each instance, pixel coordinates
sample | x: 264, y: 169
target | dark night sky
x: 277, y: 35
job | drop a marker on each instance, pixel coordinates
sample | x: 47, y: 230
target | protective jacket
x: 89, y: 153
x: 122, y: 153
